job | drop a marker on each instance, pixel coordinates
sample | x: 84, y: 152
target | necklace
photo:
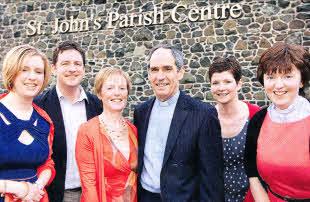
x: 115, y: 134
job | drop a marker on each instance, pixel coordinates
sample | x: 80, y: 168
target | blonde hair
x: 12, y: 65
x: 105, y: 73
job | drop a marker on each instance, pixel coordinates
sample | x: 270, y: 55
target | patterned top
x: 120, y: 173
x: 106, y: 175
x: 236, y: 183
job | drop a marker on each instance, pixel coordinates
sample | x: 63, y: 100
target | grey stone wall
x: 263, y: 22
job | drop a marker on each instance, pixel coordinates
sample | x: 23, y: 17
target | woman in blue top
x: 26, y: 131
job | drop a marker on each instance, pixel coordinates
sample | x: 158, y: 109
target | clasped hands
x: 29, y: 193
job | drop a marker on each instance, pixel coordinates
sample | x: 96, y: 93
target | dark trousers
x: 72, y: 195
x: 146, y: 196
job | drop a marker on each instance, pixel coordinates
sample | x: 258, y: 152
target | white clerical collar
x: 170, y: 101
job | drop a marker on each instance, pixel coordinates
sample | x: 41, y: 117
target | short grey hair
x: 178, y: 56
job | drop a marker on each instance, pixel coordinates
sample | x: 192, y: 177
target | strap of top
x: 12, y: 118
x: 18, y: 125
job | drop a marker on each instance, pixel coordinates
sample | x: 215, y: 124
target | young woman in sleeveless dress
x: 26, y: 131
x: 225, y: 77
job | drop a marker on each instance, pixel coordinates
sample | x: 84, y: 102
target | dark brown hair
x: 281, y: 57
x: 67, y: 45
x: 226, y: 64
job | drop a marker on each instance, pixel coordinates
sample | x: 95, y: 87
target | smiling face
x: 69, y: 68
x: 283, y: 88
x: 224, y: 87
x: 114, y: 93
x: 29, y: 80
x: 163, y: 74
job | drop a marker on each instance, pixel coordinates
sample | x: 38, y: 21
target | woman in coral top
x: 277, y: 158
x: 234, y: 114
x: 106, y: 147
x: 26, y: 131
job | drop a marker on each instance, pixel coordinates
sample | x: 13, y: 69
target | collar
x: 170, y: 101
x: 299, y: 109
x: 290, y: 108
x: 82, y: 97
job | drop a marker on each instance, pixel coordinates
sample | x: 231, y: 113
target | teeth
x: 162, y: 84
x: 222, y: 94
x: 30, y: 85
x: 280, y: 93
x: 117, y: 100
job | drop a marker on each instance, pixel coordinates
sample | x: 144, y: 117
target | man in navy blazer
x: 68, y: 105
x: 180, y: 155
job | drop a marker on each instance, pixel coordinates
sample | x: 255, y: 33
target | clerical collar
x: 170, y: 101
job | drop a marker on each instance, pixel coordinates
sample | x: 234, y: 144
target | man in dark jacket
x: 69, y: 106
x: 180, y: 156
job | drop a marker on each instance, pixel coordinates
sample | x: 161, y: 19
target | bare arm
x: 44, y: 178
x: 24, y: 191
x: 258, y: 191
x: 19, y: 189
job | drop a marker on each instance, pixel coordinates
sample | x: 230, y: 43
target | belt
x: 74, y: 189
x: 286, y: 198
x: 156, y: 195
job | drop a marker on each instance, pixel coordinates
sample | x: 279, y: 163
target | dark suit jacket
x: 193, y: 160
x: 50, y: 103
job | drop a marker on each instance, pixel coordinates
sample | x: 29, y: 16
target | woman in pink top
x: 277, y: 156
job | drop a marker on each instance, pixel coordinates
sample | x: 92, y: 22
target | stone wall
x: 263, y: 22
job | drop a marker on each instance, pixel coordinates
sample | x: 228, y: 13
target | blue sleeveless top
x: 19, y: 161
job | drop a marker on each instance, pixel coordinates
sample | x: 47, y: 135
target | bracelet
x: 4, y: 190
x: 28, y: 189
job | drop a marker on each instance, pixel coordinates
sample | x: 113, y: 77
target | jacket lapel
x: 60, y: 141
x: 147, y: 111
x: 55, y: 112
x: 89, y: 112
x: 179, y: 117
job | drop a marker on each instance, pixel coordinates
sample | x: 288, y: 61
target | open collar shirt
x: 74, y: 114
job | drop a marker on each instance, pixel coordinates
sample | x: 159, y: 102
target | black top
x: 251, y: 143
x: 250, y: 154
